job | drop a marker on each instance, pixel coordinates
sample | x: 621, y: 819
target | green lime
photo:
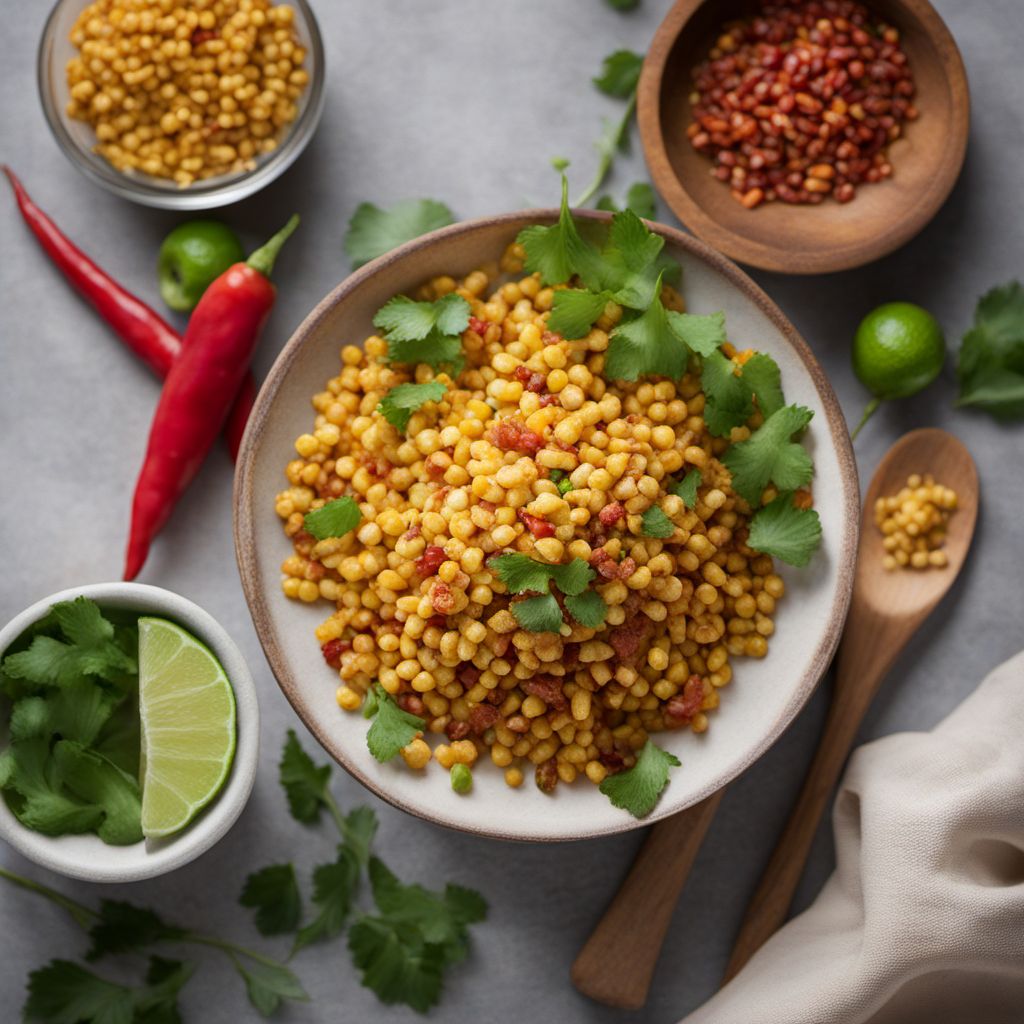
x: 192, y: 256
x: 187, y: 710
x: 898, y: 350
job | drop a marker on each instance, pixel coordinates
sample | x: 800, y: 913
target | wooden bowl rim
x: 257, y: 591
x: 780, y: 258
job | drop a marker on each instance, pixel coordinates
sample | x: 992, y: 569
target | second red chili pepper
x: 216, y: 352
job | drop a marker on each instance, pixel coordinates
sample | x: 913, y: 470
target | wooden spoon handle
x: 870, y: 645
x: 617, y: 962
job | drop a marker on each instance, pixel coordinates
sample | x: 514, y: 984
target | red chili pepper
x: 537, y: 526
x: 141, y: 328
x: 215, y: 356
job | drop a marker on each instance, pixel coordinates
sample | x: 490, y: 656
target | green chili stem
x: 263, y: 258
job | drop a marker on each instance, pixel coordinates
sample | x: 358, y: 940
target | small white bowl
x: 87, y: 856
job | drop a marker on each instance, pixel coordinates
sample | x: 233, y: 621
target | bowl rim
x: 781, y: 258
x: 206, y: 195
x: 257, y: 592
x: 104, y: 863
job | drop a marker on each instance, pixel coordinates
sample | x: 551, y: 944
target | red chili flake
x: 456, y: 730
x: 550, y: 338
x: 467, y: 674
x: 611, y: 759
x: 438, y: 621
x: 681, y: 708
x: 478, y: 326
x: 612, y: 513
x: 333, y: 650
x: 537, y: 526
x: 522, y: 373
x: 202, y: 35
x: 549, y: 689
x: 546, y: 400
x: 482, y: 717
x: 627, y: 638
x: 536, y: 383
x: 570, y: 657
x: 411, y: 702
x: 511, y: 434
x: 441, y: 598
x: 412, y: 533
x: 430, y: 561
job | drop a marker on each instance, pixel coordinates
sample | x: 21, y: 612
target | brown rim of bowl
x: 256, y: 588
x: 780, y: 258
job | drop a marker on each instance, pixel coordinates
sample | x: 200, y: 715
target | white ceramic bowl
x: 77, y: 139
x: 87, y: 856
x: 756, y: 707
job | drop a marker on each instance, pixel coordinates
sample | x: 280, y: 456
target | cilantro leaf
x: 572, y: 577
x: 398, y: 405
x: 574, y: 311
x: 63, y: 992
x: 392, y: 727
x: 702, y: 334
x: 158, y: 1002
x: 624, y: 5
x: 304, y: 783
x: 728, y: 400
x: 520, y: 573
x: 657, y: 524
x: 333, y: 888
x: 557, y: 251
x: 396, y: 965
x: 93, y: 778
x: 268, y: 984
x: 123, y: 927
x: 769, y: 456
x: 402, y: 319
x: 637, y: 789
x: 335, y: 519
x: 273, y: 893
x: 30, y: 718
x: 762, y: 375
x: 687, y: 488
x: 789, y: 533
x: 588, y: 609
x: 119, y: 740
x: 91, y: 649
x: 620, y: 73
x: 358, y: 829
x: 538, y: 614
x: 990, y: 369
x: 373, y: 231
x: 641, y: 200
x: 436, y: 350
x: 647, y: 345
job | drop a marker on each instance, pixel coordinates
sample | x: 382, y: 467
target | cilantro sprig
x: 398, y: 405
x: 771, y: 456
x: 392, y: 727
x: 372, y: 232
x: 424, y: 332
x: 990, y: 369
x: 789, y: 533
x: 335, y: 519
x: 637, y: 789
x: 541, y: 613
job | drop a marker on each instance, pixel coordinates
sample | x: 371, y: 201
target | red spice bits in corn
x: 802, y: 102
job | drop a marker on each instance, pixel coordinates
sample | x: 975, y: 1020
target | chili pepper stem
x: 263, y: 258
x: 869, y: 411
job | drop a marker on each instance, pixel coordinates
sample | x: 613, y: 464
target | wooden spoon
x: 886, y: 610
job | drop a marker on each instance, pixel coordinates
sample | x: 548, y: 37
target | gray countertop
x: 465, y: 102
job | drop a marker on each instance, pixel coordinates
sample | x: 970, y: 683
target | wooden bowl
x: 764, y: 695
x: 806, y: 239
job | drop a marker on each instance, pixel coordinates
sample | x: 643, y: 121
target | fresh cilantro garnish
x: 358, y: 829
x: 637, y: 789
x: 398, y: 405
x: 424, y: 332
x: 647, y: 344
x: 640, y: 199
x: 762, y: 375
x: 122, y: 927
x: 98, y: 782
x: 334, y: 886
x: 624, y: 5
x: 90, y: 649
x: 392, y: 727
x: 268, y: 984
x: 770, y: 456
x: 789, y: 533
x: 730, y: 390
x: 573, y: 311
x: 687, y: 488
x: 564, y: 486
x: 541, y: 614
x: 373, y: 231
x: 303, y: 781
x: 991, y: 365
x: 63, y: 992
x: 557, y: 251
x: 404, y: 950
x: 657, y: 524
x: 273, y: 893
x: 588, y: 609
x: 620, y: 73
x: 334, y: 519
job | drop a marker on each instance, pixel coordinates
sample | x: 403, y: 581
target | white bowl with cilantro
x: 674, y: 769
x: 98, y: 686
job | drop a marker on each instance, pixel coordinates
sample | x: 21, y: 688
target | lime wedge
x: 187, y: 709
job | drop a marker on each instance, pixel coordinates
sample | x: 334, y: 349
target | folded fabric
x: 923, y: 920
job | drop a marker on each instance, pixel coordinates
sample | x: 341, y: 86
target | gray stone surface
x: 466, y: 102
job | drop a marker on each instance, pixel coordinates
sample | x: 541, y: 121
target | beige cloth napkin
x: 923, y: 920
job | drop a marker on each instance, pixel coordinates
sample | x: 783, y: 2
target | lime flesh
x: 187, y: 711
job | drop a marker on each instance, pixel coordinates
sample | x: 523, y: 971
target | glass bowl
x: 76, y: 138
